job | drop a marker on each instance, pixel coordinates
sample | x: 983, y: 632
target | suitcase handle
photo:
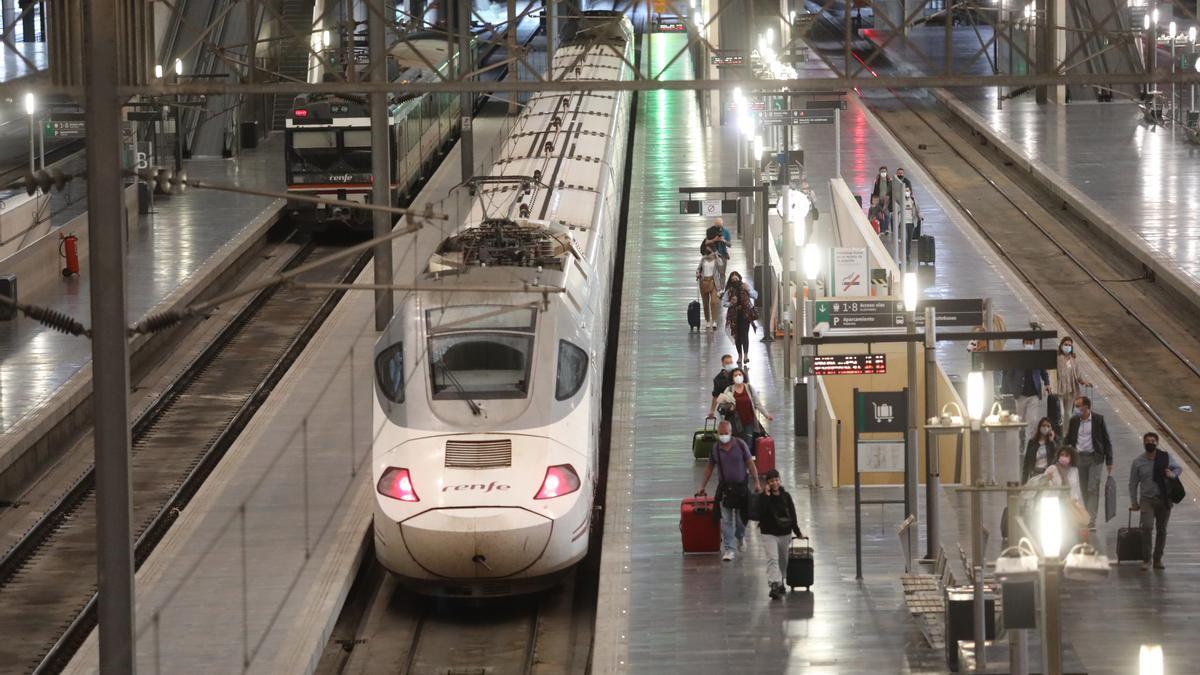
x: 713, y: 419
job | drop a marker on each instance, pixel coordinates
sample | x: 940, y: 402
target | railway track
x: 1139, y: 332
x: 47, y: 579
x: 385, y: 628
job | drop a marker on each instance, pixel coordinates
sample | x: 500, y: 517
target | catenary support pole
x: 466, y: 100
x: 511, y: 44
x: 110, y: 355
x: 552, y: 35
x: 381, y: 188
x: 789, y: 247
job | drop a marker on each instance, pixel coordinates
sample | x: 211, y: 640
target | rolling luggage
x: 694, y: 314
x: 926, y: 250
x: 764, y: 454
x: 1131, y: 542
x: 704, y: 440
x: 800, y: 565
x: 699, y: 526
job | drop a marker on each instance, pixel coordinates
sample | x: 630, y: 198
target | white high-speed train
x: 488, y: 389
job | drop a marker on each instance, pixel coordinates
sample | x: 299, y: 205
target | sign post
x: 877, y: 412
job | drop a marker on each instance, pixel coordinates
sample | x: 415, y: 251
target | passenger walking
x: 902, y: 178
x: 777, y: 523
x: 721, y: 382
x: 1068, y: 382
x: 707, y: 276
x: 741, y: 406
x: 734, y: 466
x: 741, y: 315
x: 1089, y: 435
x: 912, y: 217
x: 1065, y: 471
x: 719, y: 238
x: 1027, y: 388
x: 879, y: 215
x: 1039, y: 451
x: 883, y: 186
x: 1148, y: 495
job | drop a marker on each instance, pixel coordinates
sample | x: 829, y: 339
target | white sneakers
x: 728, y: 555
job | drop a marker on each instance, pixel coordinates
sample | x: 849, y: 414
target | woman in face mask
x: 1039, y: 451
x: 1065, y: 471
x: 912, y: 217
x: 1068, y: 381
x: 706, y: 277
x: 743, y: 412
x: 739, y: 298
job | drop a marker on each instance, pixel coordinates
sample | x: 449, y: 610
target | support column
x: 551, y: 34
x: 932, y: 457
x: 510, y: 36
x: 110, y: 355
x: 381, y: 188
x: 466, y: 101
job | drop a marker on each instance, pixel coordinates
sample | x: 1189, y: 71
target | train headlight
x: 560, y: 480
x: 397, y: 484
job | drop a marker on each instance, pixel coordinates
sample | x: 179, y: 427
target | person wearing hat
x: 778, y: 523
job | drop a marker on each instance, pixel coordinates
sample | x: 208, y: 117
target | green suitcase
x: 704, y: 440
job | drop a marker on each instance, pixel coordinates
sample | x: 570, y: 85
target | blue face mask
x: 1078, y: 411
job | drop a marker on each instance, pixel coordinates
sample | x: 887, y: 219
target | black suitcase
x: 926, y: 250
x: 800, y: 565
x: 694, y: 314
x: 1131, y: 542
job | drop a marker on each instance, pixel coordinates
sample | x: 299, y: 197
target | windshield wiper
x: 458, y: 388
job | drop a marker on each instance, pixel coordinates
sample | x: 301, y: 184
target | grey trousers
x: 1155, y: 512
x: 1091, y: 476
x: 776, y: 548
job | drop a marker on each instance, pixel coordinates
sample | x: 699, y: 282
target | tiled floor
x: 668, y: 613
x: 165, y: 248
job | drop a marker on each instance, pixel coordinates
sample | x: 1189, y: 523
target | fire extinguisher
x: 68, y: 248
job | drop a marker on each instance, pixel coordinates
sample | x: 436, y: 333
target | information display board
x: 845, y: 364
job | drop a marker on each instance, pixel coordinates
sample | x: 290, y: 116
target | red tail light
x: 397, y: 484
x: 300, y: 113
x: 560, y: 480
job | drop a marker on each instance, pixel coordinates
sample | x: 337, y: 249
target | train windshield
x: 324, y: 151
x: 480, y: 352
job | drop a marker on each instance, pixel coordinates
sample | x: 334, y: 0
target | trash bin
x: 960, y: 619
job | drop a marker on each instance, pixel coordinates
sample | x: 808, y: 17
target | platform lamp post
x: 30, y: 110
x: 178, y: 117
x: 1150, y: 660
x: 812, y: 271
x: 1050, y: 527
x: 975, y: 412
x: 912, y: 294
x: 1192, y: 87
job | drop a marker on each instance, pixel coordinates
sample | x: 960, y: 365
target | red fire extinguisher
x: 68, y: 248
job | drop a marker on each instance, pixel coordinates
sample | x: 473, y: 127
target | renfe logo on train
x: 477, y: 486
x: 341, y: 178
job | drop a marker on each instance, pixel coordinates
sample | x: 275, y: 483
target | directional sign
x: 845, y: 364
x: 795, y: 117
x: 849, y: 316
x: 63, y: 129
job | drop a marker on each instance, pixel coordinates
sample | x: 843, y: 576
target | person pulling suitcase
x: 777, y: 523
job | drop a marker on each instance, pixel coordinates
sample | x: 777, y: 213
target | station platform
x: 663, y: 612
x: 168, y: 251
x: 1138, y: 180
x: 253, y: 575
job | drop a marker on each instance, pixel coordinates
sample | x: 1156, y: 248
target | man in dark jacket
x: 1027, y: 387
x: 1148, y: 495
x: 721, y: 382
x: 1088, y: 433
x: 777, y: 523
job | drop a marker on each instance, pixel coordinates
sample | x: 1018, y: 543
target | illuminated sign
x: 727, y: 60
x: 845, y: 364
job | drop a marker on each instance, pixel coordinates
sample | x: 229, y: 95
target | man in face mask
x: 1027, y: 388
x: 1089, y: 434
x: 720, y: 383
x: 734, y: 466
x: 883, y: 186
x: 1148, y: 495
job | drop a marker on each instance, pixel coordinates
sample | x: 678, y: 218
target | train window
x: 479, y: 317
x: 356, y: 146
x: 313, y: 151
x: 389, y: 372
x: 572, y: 370
x: 480, y: 365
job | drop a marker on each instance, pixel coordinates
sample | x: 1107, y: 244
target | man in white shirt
x: 1088, y: 433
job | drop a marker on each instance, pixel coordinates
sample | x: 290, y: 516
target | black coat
x: 1101, y: 442
x: 1031, y: 457
x: 772, y: 509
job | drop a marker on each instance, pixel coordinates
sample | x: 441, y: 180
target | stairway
x: 297, y: 15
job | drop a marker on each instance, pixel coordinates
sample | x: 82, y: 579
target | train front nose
x: 476, y: 542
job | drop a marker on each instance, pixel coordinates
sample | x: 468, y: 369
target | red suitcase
x: 764, y: 454
x: 699, y: 526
